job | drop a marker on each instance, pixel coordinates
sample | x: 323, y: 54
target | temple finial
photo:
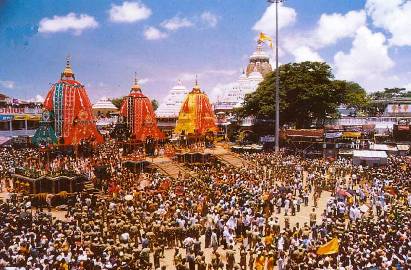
x: 135, y: 78
x: 68, y: 72
x: 196, y: 86
x: 68, y: 61
x: 135, y: 86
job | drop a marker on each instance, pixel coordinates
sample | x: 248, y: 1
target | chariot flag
x: 263, y: 38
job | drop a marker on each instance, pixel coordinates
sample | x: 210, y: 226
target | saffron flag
x: 263, y: 37
x: 328, y: 248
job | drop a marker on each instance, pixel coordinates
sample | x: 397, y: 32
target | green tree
x: 389, y: 93
x: 351, y: 94
x: 307, y: 91
x: 117, y: 101
x: 155, y: 104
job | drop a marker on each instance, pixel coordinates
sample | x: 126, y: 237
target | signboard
x: 268, y: 138
x: 11, y: 113
x: 351, y: 134
x: 20, y: 110
x: 333, y: 135
x: 398, y: 108
x: 6, y: 117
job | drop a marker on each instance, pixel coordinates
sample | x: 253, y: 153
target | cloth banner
x: 328, y: 248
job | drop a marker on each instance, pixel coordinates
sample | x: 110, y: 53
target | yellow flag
x: 328, y: 248
x: 263, y: 37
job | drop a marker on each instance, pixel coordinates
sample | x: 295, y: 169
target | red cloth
x: 141, y: 119
x: 165, y: 185
x: 179, y: 190
x: 78, y: 120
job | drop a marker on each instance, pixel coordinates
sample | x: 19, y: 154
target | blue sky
x: 367, y: 41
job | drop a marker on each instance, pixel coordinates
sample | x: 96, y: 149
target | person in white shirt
x: 286, y: 206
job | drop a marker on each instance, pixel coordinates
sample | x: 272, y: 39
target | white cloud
x: 37, y: 98
x: 333, y: 27
x: 393, y: 16
x: 7, y: 84
x: 70, y: 22
x: 143, y: 81
x: 129, y: 12
x: 153, y: 33
x: 367, y: 61
x: 330, y: 29
x: 305, y: 53
x: 408, y: 87
x: 286, y: 16
x: 209, y: 18
x: 176, y: 23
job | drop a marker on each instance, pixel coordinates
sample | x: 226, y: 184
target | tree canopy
x: 308, y: 92
x: 389, y: 93
x: 117, y: 102
x: 155, y: 104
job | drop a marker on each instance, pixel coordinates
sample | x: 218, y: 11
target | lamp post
x: 277, y: 80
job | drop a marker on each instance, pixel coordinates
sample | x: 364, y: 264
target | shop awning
x: 4, y: 140
x: 369, y: 154
x: 403, y: 147
x: 383, y: 147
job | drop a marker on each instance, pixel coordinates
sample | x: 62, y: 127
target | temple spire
x: 196, y: 86
x: 135, y: 78
x: 68, y: 72
x: 136, y: 86
x: 68, y: 61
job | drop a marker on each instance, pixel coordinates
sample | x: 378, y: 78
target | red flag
x: 179, y: 190
x: 165, y: 185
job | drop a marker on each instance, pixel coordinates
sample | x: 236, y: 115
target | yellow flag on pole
x: 263, y: 38
x: 328, y: 248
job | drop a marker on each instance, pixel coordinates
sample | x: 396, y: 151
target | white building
x: 170, y: 107
x: 104, y: 107
x: 257, y: 68
x: 167, y: 112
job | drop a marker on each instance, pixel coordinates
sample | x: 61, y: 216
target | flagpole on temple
x: 277, y: 80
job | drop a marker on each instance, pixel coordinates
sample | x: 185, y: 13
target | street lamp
x: 277, y: 80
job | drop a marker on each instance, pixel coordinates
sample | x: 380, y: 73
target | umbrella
x: 128, y: 197
x: 343, y: 193
x: 364, y: 208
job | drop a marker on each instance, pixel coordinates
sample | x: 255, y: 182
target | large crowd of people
x: 274, y: 212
